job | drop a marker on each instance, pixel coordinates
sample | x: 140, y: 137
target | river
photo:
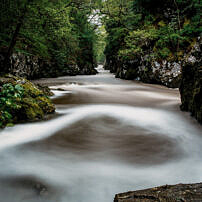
x: 107, y: 136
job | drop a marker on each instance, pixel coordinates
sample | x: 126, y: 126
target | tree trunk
x: 14, y: 39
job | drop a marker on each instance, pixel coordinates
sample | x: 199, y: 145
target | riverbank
x: 22, y: 101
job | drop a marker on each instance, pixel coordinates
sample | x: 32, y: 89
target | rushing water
x: 108, y: 136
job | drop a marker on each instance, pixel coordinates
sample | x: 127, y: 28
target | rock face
x: 167, y: 193
x: 185, y: 74
x: 191, y: 86
x: 32, y: 67
x: 145, y: 69
x: 164, y: 72
x: 150, y: 51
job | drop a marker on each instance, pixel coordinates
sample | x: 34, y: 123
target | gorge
x: 99, y: 98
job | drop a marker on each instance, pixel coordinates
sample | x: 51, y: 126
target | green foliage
x: 137, y: 42
x: 10, y: 98
x: 100, y: 43
x: 160, y: 28
x: 62, y: 32
x: 164, y: 53
x: 56, y: 31
x: 20, y: 102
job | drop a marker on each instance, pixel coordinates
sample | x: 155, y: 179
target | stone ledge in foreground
x: 167, y: 193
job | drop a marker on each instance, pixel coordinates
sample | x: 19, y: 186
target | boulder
x: 21, y: 100
x: 167, y: 193
x: 191, y: 85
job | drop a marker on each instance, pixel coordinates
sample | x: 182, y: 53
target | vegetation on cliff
x: 21, y: 100
x: 57, y: 32
x: 43, y: 39
x: 148, y: 35
x: 157, y: 41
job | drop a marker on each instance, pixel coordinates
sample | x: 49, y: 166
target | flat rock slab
x: 167, y: 193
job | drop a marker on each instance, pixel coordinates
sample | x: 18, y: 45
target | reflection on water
x: 111, y: 136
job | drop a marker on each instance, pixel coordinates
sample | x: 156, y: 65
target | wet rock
x: 32, y: 188
x: 46, y: 90
x: 149, y: 71
x: 33, y: 67
x: 29, y: 183
x: 33, y: 104
x: 191, y: 86
x: 40, y: 189
x: 88, y: 69
x: 167, y: 193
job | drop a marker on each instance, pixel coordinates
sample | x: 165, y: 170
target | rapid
x: 107, y: 136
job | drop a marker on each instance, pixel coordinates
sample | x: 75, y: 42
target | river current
x: 107, y: 136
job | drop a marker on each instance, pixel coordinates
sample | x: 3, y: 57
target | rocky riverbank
x: 21, y: 101
x: 32, y: 67
x: 160, y: 44
x: 167, y: 193
x: 145, y: 68
x: 185, y: 74
x: 191, y: 85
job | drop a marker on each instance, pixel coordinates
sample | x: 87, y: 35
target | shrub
x: 10, y: 98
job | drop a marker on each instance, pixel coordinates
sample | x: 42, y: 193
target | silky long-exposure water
x: 108, y: 136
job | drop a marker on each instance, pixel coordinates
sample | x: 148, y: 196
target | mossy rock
x: 33, y: 105
x: 45, y: 104
x: 46, y: 90
x: 32, y: 90
x: 31, y: 109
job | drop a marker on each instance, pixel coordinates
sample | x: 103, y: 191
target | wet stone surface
x: 167, y: 193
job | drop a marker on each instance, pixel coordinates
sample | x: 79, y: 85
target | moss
x: 187, y: 21
x: 180, y: 54
x: 46, y: 90
x: 31, y: 90
x: 31, y: 110
x: 171, y: 57
x: 33, y: 105
x: 161, y: 23
x: 9, y: 125
x: 45, y: 104
x: 165, y: 53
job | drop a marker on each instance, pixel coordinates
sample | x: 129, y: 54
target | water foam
x: 157, y: 121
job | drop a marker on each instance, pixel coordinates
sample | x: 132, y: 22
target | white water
x: 112, y: 136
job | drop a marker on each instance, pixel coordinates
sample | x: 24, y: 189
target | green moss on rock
x: 32, y: 104
x: 45, y: 104
x: 31, y: 110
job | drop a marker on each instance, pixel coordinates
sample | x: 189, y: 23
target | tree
x: 57, y: 31
x: 15, y: 35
